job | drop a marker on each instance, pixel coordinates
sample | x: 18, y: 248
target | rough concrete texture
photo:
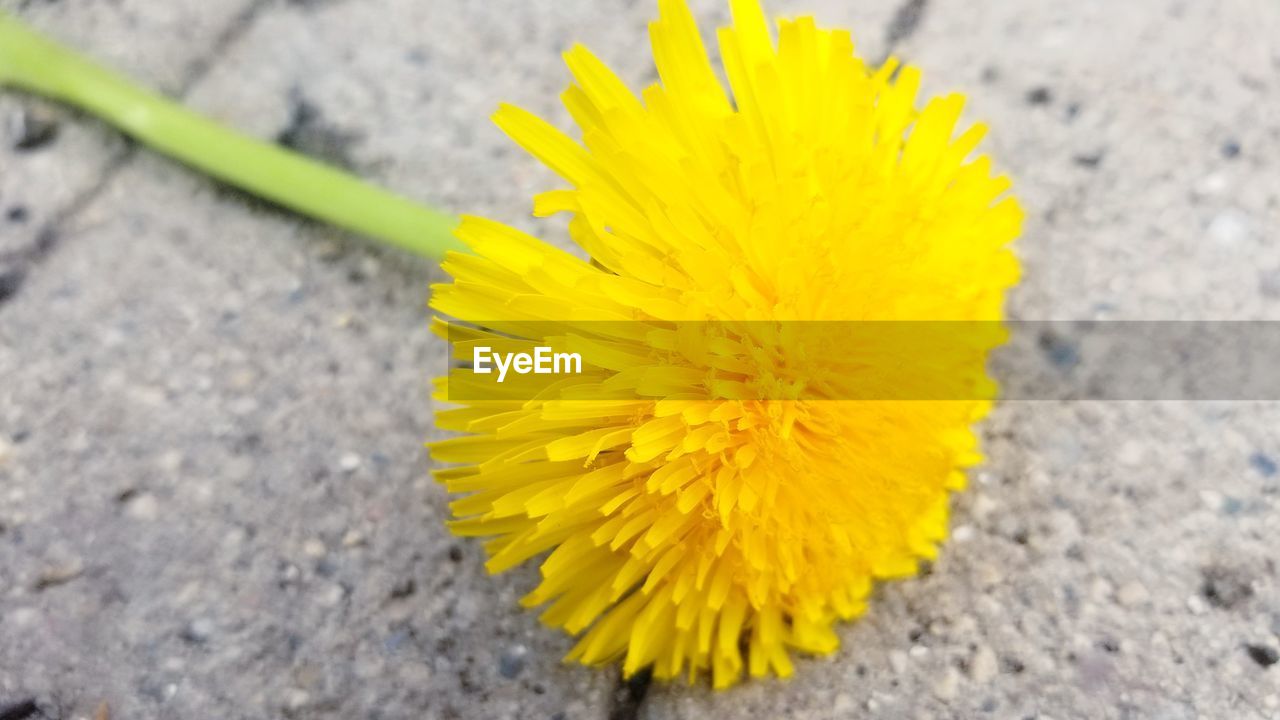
x: 213, y: 497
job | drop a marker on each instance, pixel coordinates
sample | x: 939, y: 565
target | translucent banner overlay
x: 870, y: 361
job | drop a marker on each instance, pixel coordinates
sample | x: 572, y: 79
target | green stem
x: 34, y: 63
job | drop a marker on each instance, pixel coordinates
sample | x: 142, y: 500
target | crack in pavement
x: 16, y: 265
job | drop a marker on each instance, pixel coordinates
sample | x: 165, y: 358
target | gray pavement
x: 213, y: 498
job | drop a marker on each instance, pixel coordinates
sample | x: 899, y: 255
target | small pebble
x: 32, y: 129
x: 170, y: 461
x: 328, y: 250
x: 1264, y: 655
x: 143, y: 506
x: 983, y: 506
x: 296, y: 699
x: 1212, y: 499
x: 984, y: 665
x: 898, y: 661
x: 289, y: 573
x: 332, y: 595
x: 326, y: 568
x: 844, y: 703
x: 349, y: 462
x: 60, y: 574
x: 1100, y: 589
x: 1229, y: 228
x: 1197, y: 605
x: 1212, y: 184
x: 22, y: 617
x: 988, y: 574
x: 946, y: 686
x: 1132, y: 593
x: 352, y: 538
x: 1265, y: 466
x: 198, y: 631
x: 511, y: 664
x: 1225, y: 588
x: 313, y: 548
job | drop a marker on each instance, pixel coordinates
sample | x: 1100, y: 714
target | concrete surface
x: 213, y: 497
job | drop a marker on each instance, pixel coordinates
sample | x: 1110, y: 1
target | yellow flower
x: 702, y: 530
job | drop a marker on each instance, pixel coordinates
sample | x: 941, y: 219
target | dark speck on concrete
x: 417, y: 56
x: 21, y: 710
x: 1263, y: 464
x: 17, y: 214
x: 309, y: 134
x: 1225, y: 588
x: 11, y: 282
x: 629, y: 695
x: 1263, y: 655
x: 905, y: 21
x: 1089, y: 160
x: 455, y: 553
x: 1039, y: 96
x: 1061, y: 351
x: 326, y: 568
x: 1230, y: 149
x: 404, y: 589
x: 33, y: 129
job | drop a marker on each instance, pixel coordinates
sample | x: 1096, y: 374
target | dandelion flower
x: 682, y: 526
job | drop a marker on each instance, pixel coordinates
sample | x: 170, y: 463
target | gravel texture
x: 214, y: 502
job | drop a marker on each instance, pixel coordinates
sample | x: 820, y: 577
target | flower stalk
x: 36, y: 64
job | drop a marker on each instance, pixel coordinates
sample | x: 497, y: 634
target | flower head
x: 692, y: 525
